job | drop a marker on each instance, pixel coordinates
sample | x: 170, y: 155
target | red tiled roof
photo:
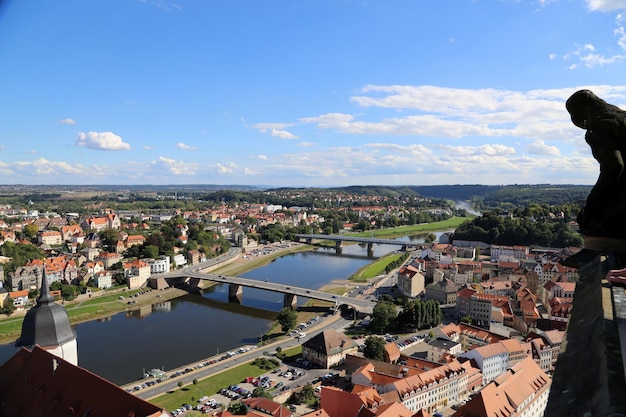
x: 46, y: 390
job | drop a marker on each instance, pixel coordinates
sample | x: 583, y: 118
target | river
x: 190, y: 328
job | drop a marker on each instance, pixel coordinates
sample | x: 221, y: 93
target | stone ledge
x: 589, y: 376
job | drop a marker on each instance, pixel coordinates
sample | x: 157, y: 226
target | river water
x: 190, y: 328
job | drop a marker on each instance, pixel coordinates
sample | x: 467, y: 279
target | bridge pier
x: 370, y: 249
x: 290, y: 300
x: 309, y: 240
x: 235, y: 293
x: 403, y: 248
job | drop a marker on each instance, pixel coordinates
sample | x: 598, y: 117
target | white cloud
x: 268, y: 127
x: 259, y: 157
x: 107, y: 141
x: 283, y: 134
x: 146, y: 147
x: 42, y: 166
x: 276, y: 130
x: 305, y: 144
x: 174, y: 167
x: 67, y: 121
x: 184, y: 147
x: 606, y: 5
x: 538, y: 147
x: 226, y: 168
x: 429, y: 111
x: 621, y: 41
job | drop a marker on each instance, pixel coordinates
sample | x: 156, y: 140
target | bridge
x: 338, y: 239
x: 236, y: 285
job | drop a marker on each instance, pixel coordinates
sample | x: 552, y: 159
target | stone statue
x: 604, y: 214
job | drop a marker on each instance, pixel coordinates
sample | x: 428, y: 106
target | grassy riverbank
x: 376, y: 268
x: 449, y: 224
x: 86, y: 309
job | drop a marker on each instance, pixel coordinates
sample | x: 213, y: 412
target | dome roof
x: 46, y: 324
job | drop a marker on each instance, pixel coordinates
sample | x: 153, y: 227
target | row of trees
x: 414, y: 314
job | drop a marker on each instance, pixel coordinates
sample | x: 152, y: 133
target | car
x: 334, y: 296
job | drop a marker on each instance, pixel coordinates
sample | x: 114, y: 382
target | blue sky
x: 303, y: 92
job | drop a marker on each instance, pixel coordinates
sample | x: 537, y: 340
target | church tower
x: 48, y: 326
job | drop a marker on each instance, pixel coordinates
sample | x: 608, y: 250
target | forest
x: 527, y: 231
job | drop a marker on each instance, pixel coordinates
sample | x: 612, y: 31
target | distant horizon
x: 320, y: 94
x: 294, y: 186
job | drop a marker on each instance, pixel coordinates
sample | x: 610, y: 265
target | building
x: 159, y: 266
x: 444, y: 292
x: 493, y: 360
x: 20, y: 299
x: 522, y: 391
x: 103, y: 279
x: 410, y: 280
x: 439, y: 347
x: 328, y: 348
x: 499, y: 252
x: 137, y: 273
x: 49, y: 237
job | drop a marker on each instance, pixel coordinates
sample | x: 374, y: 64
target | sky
x: 303, y: 93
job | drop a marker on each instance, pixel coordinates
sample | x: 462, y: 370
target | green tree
x: 307, y: 394
x: 383, y: 315
x: 467, y: 319
x: 238, y: 408
x: 69, y: 292
x: 30, y: 230
x: 108, y: 237
x: 261, y: 393
x: 287, y: 318
x: 374, y: 348
x: 7, y: 306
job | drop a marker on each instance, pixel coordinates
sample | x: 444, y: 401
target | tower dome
x: 48, y: 326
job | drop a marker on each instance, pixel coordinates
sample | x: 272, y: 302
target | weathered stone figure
x: 604, y: 214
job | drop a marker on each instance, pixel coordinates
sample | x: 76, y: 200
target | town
x: 481, y: 324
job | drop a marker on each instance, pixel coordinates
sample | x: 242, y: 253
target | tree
x: 374, y: 348
x: 238, y: 408
x: 108, y: 237
x: 287, y: 318
x: 467, y: 319
x: 30, y: 230
x: 7, y: 306
x: 383, y: 315
x: 307, y: 394
x: 261, y: 393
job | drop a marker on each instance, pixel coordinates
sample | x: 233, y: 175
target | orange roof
x: 53, y: 387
